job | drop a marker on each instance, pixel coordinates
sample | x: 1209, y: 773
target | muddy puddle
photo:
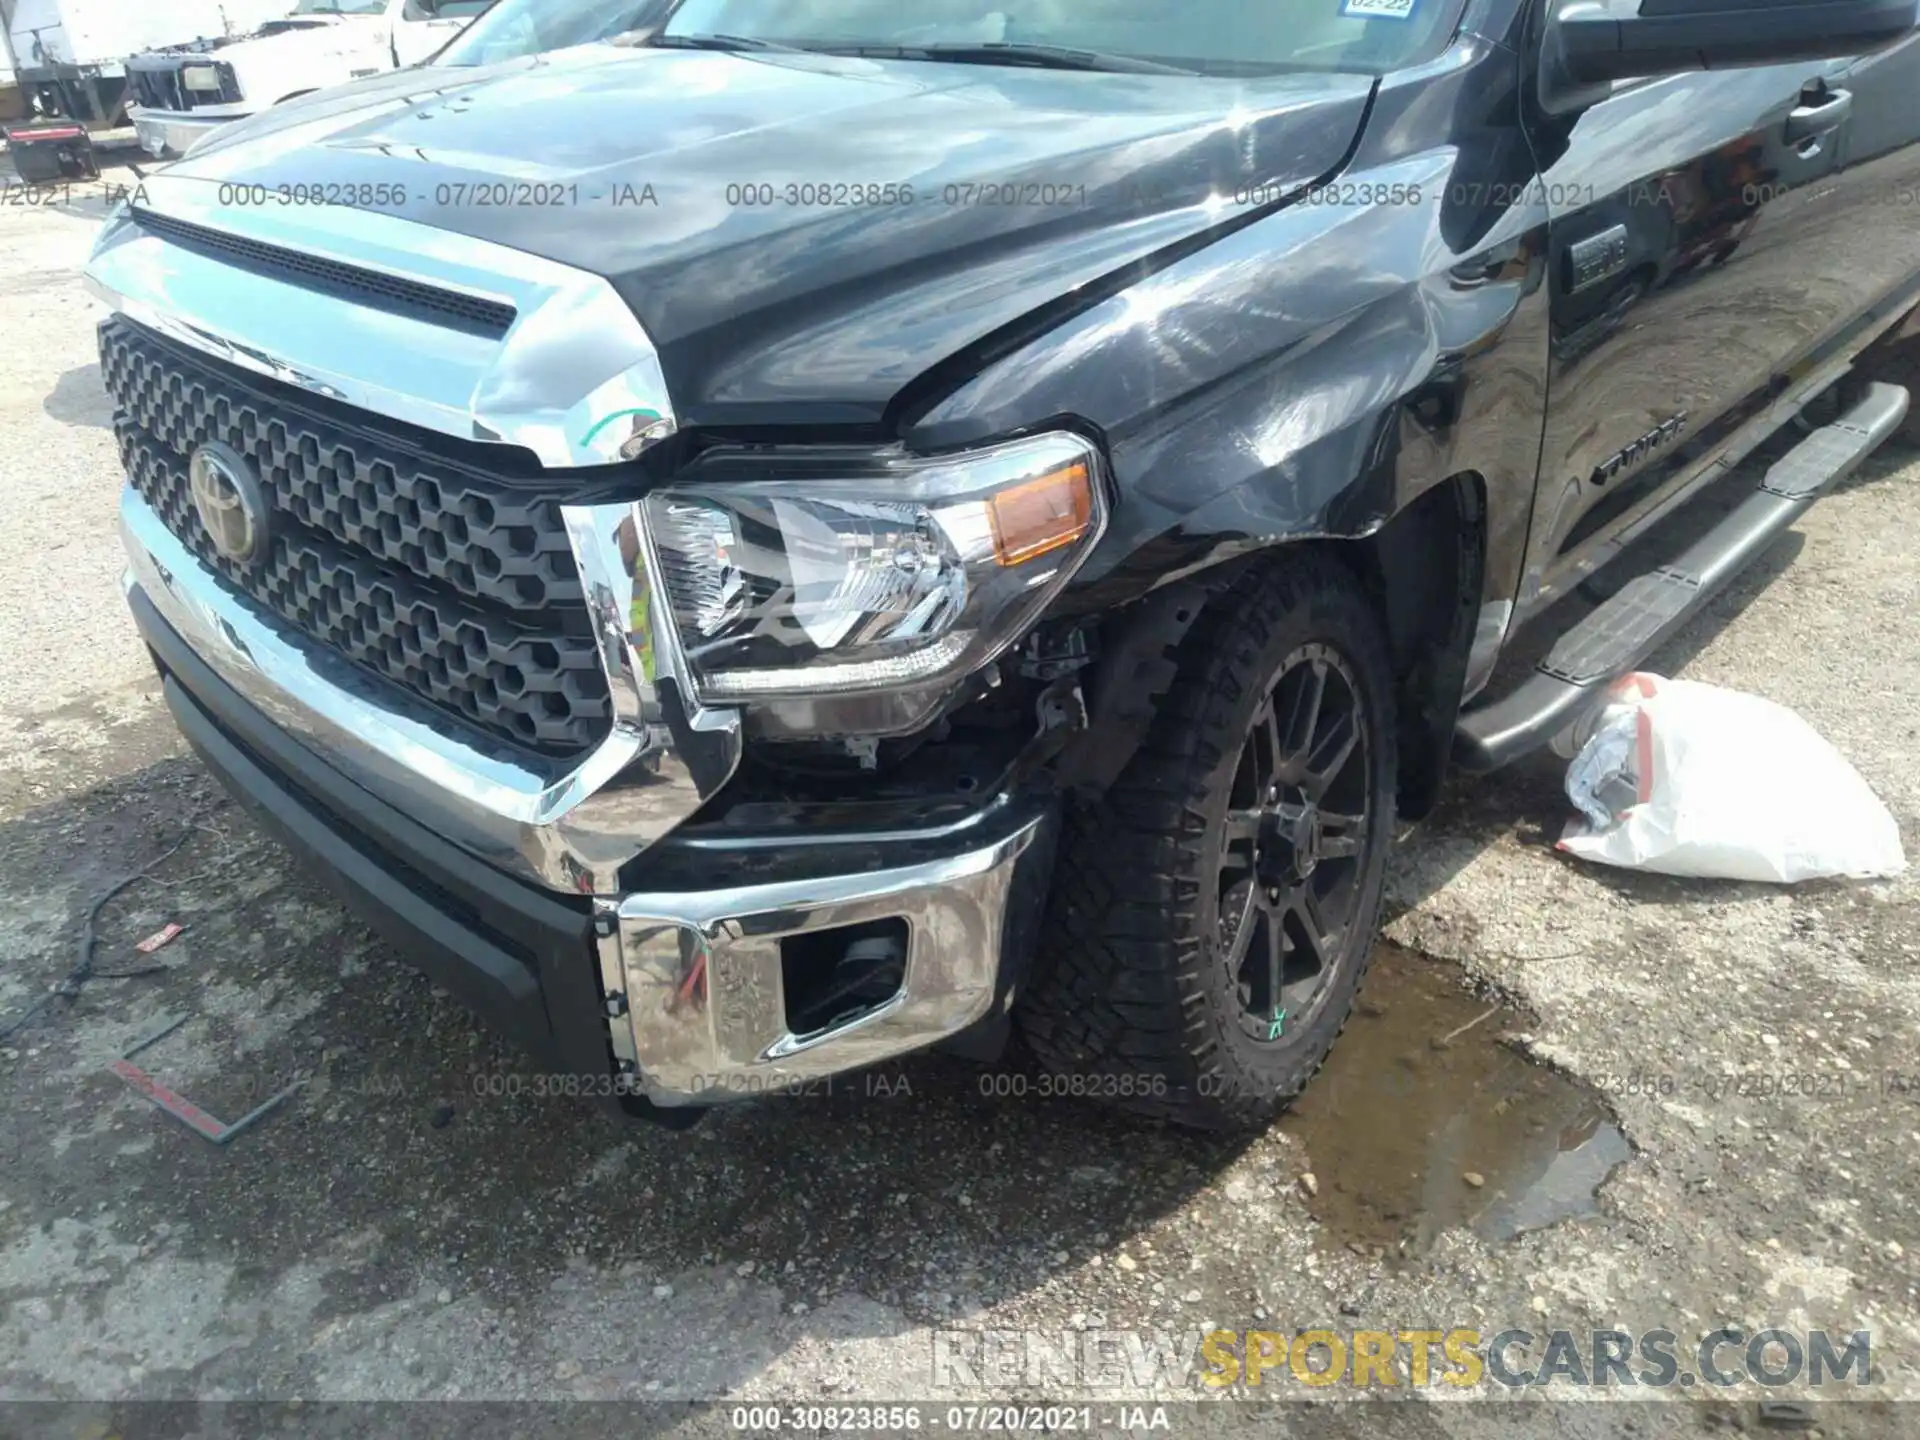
x: 1422, y: 1121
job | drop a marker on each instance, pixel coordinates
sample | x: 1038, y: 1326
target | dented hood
x: 804, y: 235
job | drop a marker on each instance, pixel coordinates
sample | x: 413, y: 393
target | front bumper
x: 167, y: 135
x: 661, y: 997
x: 695, y: 978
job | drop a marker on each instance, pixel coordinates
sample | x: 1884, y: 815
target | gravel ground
x: 406, y: 1227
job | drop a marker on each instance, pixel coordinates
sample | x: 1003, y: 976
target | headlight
x: 917, y: 573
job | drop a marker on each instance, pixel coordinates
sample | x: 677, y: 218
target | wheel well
x: 1425, y: 567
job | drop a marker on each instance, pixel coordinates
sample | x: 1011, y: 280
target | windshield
x: 340, y: 7
x: 1225, y: 37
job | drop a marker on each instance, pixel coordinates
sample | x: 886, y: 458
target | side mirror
x: 1592, y: 42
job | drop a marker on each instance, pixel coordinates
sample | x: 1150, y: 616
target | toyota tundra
x: 755, y: 544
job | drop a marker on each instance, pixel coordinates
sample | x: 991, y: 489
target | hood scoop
x: 352, y: 283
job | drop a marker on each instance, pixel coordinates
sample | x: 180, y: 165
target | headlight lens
x: 921, y: 571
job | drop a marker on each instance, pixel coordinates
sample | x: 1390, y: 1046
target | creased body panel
x: 804, y: 235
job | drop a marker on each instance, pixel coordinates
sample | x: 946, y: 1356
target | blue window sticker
x: 1378, y: 9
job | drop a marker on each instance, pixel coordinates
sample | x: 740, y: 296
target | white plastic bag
x: 1683, y: 778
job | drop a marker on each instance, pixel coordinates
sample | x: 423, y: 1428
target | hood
x: 740, y: 203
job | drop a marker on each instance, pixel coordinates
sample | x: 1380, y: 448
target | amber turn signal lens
x: 1041, y: 514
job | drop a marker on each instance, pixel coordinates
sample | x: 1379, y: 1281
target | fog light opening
x: 831, y: 978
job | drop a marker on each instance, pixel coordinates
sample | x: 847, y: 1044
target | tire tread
x: 1119, y: 986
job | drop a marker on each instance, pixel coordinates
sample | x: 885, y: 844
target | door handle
x: 1820, y: 112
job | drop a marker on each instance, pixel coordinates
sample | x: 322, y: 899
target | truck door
x: 1714, y: 237
x: 422, y: 27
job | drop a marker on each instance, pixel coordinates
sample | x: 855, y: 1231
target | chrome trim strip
x: 723, y: 843
x: 576, y: 380
x: 700, y: 979
x: 569, y: 826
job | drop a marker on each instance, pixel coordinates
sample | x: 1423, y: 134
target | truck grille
x: 157, y: 85
x: 452, y: 584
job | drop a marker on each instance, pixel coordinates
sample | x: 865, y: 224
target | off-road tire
x: 1131, y: 993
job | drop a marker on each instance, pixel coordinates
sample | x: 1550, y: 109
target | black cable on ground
x: 83, y: 971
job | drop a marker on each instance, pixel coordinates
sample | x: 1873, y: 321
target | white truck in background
x: 184, y: 92
x: 69, y: 56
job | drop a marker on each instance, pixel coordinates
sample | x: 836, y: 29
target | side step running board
x: 1650, y: 608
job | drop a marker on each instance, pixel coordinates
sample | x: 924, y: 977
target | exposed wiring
x: 83, y: 971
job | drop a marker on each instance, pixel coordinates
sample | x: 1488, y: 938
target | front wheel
x: 1213, y: 915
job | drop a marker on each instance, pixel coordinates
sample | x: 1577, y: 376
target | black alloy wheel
x: 1213, y: 913
x: 1294, y: 839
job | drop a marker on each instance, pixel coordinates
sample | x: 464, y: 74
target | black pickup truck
x: 753, y: 537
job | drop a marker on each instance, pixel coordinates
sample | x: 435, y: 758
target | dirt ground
x: 412, y: 1223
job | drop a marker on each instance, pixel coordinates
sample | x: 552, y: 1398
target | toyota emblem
x: 230, y: 503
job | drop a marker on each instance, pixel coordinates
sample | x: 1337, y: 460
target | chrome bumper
x: 694, y: 982
x: 166, y: 135
x: 567, y: 825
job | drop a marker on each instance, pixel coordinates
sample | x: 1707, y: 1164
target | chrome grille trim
x: 575, y: 379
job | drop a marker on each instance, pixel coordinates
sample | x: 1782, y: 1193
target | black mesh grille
x: 461, y: 591
x: 157, y: 84
x: 331, y: 277
x: 155, y: 88
x: 229, y: 92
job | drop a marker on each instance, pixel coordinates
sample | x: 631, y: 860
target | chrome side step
x: 1646, y: 612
